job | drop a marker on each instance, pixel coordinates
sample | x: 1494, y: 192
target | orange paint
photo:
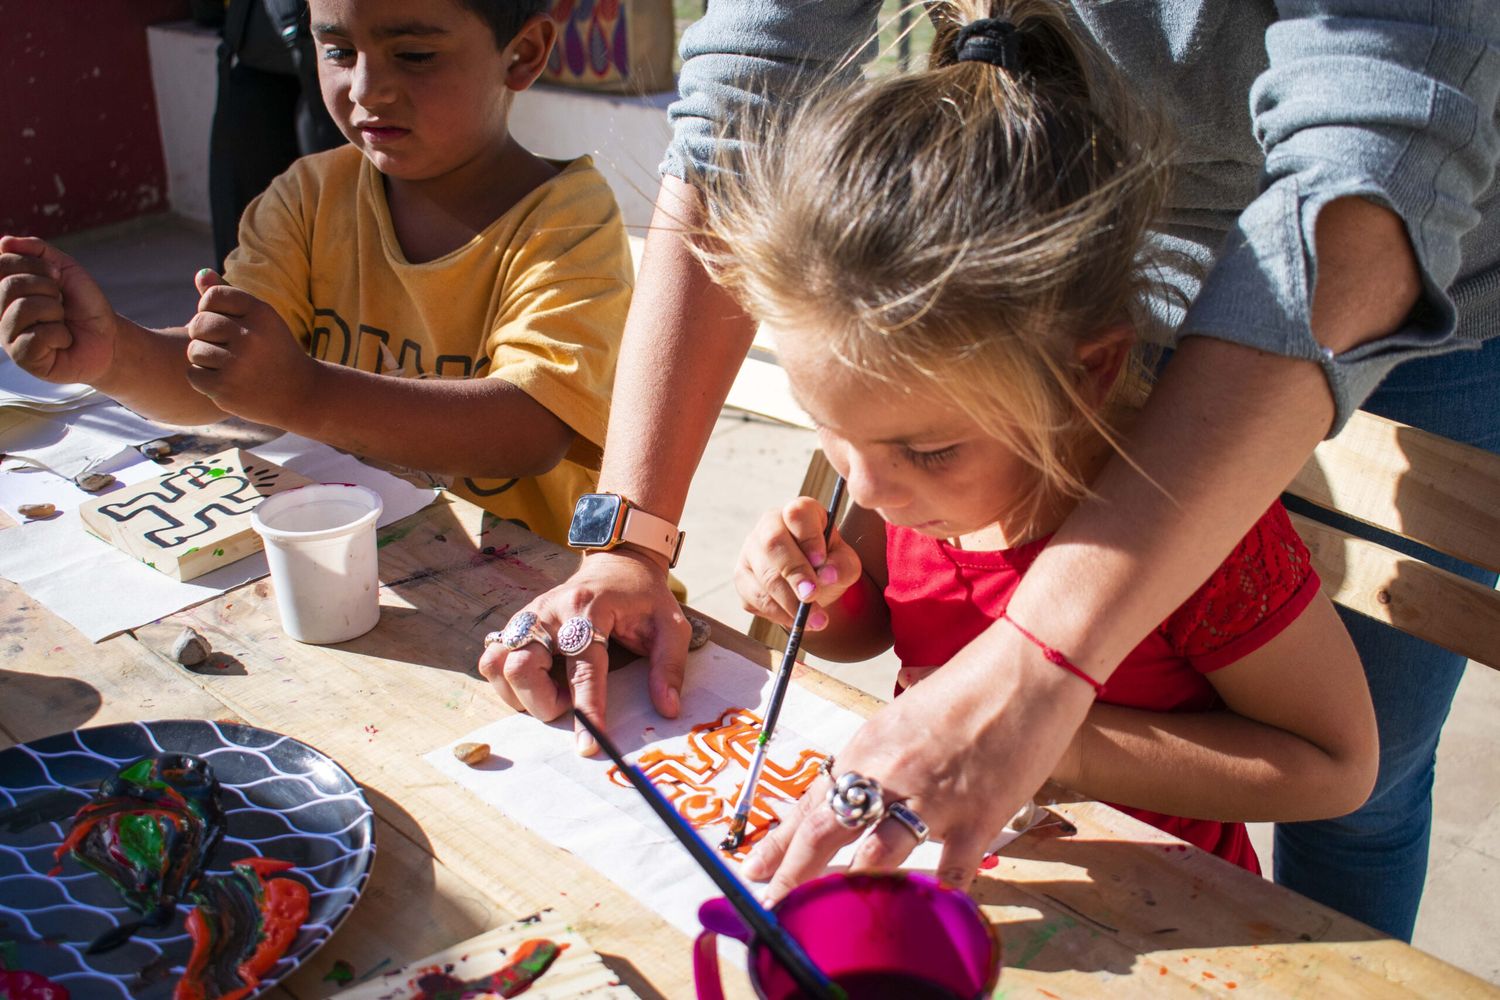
x: 686, y: 778
x: 1231, y: 985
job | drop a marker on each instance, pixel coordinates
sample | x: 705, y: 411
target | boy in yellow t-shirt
x: 434, y: 247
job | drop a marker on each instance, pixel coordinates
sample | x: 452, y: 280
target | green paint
x: 342, y: 972
x: 138, y: 772
x: 215, y: 473
x: 141, y: 840
x: 191, y: 551
x: 1039, y: 941
x: 393, y: 536
x: 218, y: 552
x: 10, y: 954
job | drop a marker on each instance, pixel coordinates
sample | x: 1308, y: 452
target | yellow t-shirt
x: 537, y: 299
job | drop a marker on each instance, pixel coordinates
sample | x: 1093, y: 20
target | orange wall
x: 79, y: 142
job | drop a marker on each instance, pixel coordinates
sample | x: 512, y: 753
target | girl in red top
x: 953, y: 265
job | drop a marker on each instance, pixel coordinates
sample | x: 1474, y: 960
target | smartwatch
x: 604, y: 520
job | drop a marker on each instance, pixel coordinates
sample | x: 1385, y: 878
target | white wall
x: 184, y: 75
x: 625, y: 135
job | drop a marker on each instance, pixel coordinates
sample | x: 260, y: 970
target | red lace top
x: 941, y: 597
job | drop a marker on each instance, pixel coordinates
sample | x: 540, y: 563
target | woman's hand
x: 624, y: 594
x: 785, y: 562
x: 964, y: 749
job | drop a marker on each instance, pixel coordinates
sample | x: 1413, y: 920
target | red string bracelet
x: 1053, y: 655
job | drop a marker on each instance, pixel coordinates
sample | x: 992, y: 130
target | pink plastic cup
x: 897, y: 935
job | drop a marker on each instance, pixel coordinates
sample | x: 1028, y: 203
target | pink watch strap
x: 652, y: 533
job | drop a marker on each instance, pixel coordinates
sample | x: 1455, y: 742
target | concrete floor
x: 146, y: 267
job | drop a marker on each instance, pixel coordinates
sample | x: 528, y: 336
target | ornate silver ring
x: 907, y: 817
x: 576, y: 634
x: 520, y: 630
x: 856, y: 801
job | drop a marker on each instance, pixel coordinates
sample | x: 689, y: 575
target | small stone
x: 160, y: 448
x: 37, y: 510
x: 93, y: 482
x: 190, y: 649
x: 472, y: 754
x: 702, y: 630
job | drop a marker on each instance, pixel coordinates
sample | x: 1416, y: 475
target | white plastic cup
x: 320, y: 544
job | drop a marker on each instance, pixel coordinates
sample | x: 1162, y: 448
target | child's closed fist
x: 54, y: 321
x: 785, y: 562
x: 242, y: 355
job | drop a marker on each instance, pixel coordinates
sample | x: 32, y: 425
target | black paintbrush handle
x: 760, y: 920
x: 799, y: 623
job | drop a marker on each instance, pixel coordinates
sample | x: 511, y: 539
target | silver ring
x: 520, y: 630
x: 856, y: 801
x: 907, y: 817
x: 576, y: 634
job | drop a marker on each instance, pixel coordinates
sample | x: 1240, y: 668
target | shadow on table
x: 625, y: 970
x: 56, y: 704
x: 1147, y: 898
x: 449, y: 578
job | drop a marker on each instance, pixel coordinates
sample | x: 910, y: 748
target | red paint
x: 1048, y: 993
x: 283, y: 905
x: 30, y: 986
x: 78, y: 124
x: 989, y: 861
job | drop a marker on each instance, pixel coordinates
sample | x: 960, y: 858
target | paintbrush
x: 760, y: 920
x: 778, y: 694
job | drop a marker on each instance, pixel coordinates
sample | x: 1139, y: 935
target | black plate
x: 282, y: 798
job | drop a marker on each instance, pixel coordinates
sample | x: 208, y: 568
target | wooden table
x: 1117, y: 907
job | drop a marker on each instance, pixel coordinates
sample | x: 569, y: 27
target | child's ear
x: 1101, y: 359
x: 527, y: 52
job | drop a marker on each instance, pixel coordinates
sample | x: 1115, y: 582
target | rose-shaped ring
x: 907, y: 817
x: 576, y: 634
x: 520, y: 630
x: 856, y: 801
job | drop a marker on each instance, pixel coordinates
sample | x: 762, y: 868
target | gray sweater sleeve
x: 742, y: 53
x: 1389, y: 100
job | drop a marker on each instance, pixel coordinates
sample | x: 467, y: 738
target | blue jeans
x: 1372, y: 863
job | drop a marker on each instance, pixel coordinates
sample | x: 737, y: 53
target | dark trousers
x: 262, y: 122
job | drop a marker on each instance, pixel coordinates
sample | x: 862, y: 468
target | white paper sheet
x: 82, y: 440
x: 537, y: 778
x: 101, y: 591
x: 18, y: 388
x: 26, y: 485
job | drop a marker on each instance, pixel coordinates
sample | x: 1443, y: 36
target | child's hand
x: 242, y: 355
x: 784, y: 562
x: 54, y: 321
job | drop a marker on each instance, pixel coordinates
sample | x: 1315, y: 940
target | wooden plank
x: 576, y: 972
x: 194, y: 519
x: 1406, y: 593
x: 1441, y: 493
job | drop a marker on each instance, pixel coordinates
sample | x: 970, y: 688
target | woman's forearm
x: 685, y: 340
x: 1211, y: 765
x: 1225, y: 430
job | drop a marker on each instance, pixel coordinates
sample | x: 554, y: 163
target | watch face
x: 594, y: 521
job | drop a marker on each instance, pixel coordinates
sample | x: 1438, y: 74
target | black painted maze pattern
x: 185, y: 502
x: 282, y: 799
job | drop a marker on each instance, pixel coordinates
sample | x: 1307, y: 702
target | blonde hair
x: 965, y: 225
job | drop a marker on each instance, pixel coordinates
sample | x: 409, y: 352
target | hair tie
x: 991, y: 40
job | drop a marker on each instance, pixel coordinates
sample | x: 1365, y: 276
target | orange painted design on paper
x: 686, y: 779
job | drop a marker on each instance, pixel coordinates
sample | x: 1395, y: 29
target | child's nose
x: 369, y: 86
x: 871, y: 484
